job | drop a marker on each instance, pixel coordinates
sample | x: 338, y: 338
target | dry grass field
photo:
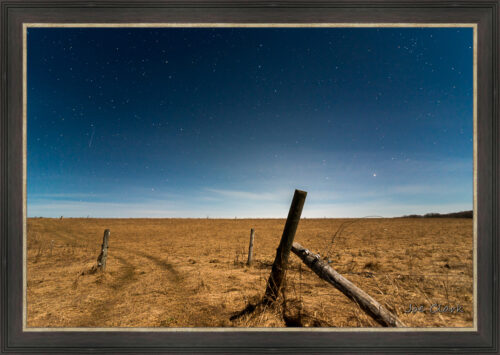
x: 192, y: 272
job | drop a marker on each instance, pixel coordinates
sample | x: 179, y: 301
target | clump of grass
x: 372, y: 265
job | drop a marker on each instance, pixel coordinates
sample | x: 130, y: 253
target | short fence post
x: 250, y: 248
x: 283, y: 252
x: 101, y: 259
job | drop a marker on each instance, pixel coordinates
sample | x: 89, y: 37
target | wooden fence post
x: 101, y: 259
x: 283, y: 252
x: 250, y: 248
x: 367, y: 303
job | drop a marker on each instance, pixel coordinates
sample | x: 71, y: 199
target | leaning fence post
x: 101, y: 259
x: 250, y: 248
x: 283, y: 252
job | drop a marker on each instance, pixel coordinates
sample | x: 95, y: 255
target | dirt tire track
x: 100, y: 309
x: 99, y: 312
x: 173, y: 275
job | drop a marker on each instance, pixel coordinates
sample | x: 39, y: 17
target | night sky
x: 197, y: 122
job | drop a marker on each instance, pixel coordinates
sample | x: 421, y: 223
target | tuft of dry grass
x: 193, y: 272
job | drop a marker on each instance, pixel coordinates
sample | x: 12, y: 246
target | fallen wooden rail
x: 365, y: 301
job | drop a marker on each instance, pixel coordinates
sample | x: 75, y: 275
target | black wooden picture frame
x: 16, y: 12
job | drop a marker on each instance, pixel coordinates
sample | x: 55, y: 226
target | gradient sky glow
x: 197, y: 122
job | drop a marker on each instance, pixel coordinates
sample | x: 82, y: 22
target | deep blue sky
x: 228, y: 122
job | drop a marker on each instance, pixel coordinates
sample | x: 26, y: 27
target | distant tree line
x: 462, y: 214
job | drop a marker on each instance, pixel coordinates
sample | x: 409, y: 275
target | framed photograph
x: 233, y: 176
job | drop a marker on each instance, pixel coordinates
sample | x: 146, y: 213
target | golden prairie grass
x: 193, y: 272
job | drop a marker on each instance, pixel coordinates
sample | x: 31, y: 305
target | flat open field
x: 192, y: 272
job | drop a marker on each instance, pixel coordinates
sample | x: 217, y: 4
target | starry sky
x: 227, y: 122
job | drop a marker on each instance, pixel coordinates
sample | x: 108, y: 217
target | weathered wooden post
x: 101, y: 259
x: 283, y: 252
x: 367, y: 303
x: 250, y: 248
